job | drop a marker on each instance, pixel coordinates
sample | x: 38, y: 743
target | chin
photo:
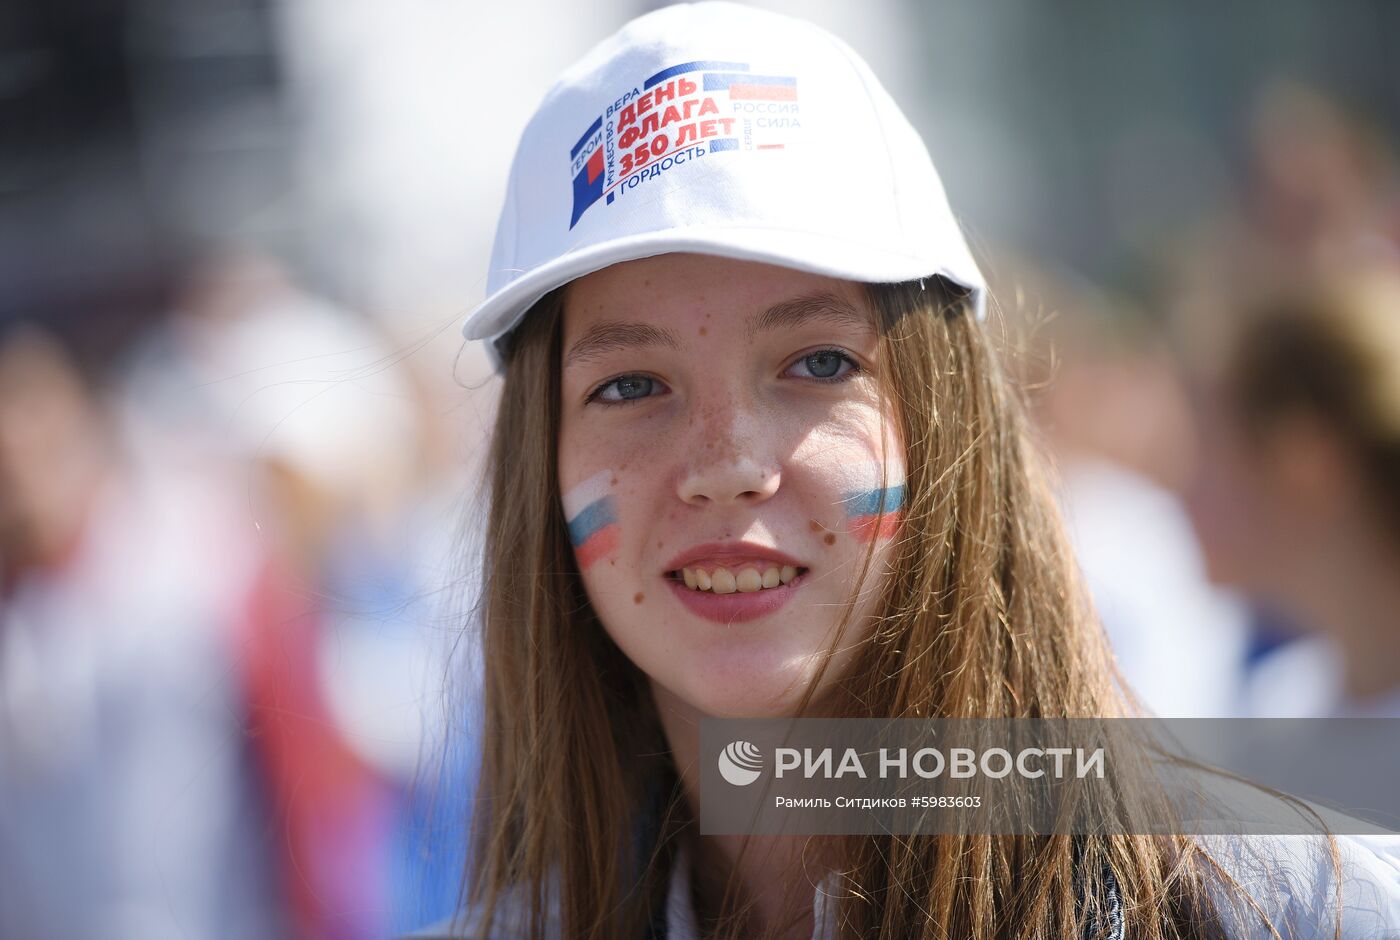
x: 738, y: 686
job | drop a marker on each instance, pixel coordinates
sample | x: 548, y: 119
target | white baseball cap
x: 726, y: 130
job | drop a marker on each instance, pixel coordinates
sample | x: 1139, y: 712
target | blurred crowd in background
x: 239, y: 430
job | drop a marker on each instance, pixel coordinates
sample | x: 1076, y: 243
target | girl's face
x: 720, y: 458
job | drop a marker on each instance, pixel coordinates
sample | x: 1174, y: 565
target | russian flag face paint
x: 592, y: 519
x: 873, y: 512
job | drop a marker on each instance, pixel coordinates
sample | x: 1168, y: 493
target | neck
x: 769, y: 870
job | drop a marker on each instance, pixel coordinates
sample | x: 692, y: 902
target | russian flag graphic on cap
x: 588, y: 178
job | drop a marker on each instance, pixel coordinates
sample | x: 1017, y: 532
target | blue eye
x: 624, y: 389
x: 825, y: 365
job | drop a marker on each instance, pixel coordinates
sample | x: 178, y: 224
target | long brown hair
x: 983, y: 615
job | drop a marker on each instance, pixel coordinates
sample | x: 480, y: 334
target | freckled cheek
x: 606, y: 520
x: 633, y: 466
x: 866, y: 495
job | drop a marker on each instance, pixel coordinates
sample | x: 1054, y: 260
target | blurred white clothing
x: 1179, y: 640
x: 127, y: 806
x: 1303, y: 679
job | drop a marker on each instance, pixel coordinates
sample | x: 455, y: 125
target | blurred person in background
x: 337, y: 653
x: 127, y: 805
x: 222, y: 556
x: 1319, y: 186
x: 1298, y: 496
x: 1114, y: 416
x: 130, y: 805
x: 1320, y: 189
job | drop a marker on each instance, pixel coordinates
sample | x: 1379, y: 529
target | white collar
x: 681, y: 922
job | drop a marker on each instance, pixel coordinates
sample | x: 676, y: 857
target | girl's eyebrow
x: 823, y: 305
x: 612, y: 335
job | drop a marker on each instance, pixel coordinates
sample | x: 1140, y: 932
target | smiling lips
x: 730, y: 582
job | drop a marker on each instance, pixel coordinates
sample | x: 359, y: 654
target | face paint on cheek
x: 592, y: 519
x: 874, y: 512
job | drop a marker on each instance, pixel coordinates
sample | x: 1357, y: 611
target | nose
x: 732, y: 460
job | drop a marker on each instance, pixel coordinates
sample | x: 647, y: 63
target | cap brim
x: 804, y: 251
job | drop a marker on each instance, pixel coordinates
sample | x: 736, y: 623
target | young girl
x: 755, y: 456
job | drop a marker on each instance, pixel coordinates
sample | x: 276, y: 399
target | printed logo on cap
x: 682, y: 113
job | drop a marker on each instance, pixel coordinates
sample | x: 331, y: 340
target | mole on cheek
x: 638, y: 597
x: 815, y: 526
x: 702, y: 331
x: 830, y: 538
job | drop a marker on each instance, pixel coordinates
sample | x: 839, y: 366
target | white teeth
x: 722, y: 581
x: 749, y: 579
